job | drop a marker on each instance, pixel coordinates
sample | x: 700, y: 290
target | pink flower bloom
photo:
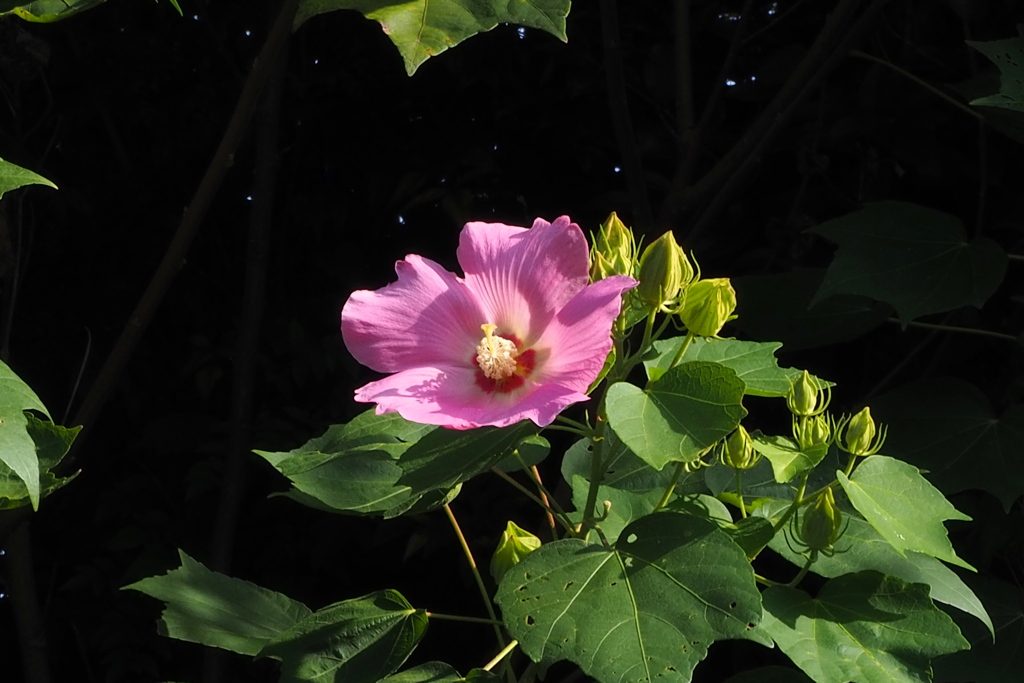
x: 521, y: 336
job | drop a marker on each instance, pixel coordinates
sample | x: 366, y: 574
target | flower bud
x: 515, y: 544
x: 861, y: 437
x: 822, y: 524
x: 708, y: 306
x: 807, y: 397
x: 664, y: 270
x: 614, y: 250
x: 812, y: 431
x: 738, y: 451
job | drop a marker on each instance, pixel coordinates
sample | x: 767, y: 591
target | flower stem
x: 803, y: 571
x: 558, y: 513
x: 680, y: 467
x: 476, y: 574
x: 682, y: 349
x: 501, y: 655
x: 739, y: 493
x: 798, y: 500
x: 455, y: 617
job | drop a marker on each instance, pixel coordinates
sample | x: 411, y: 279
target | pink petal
x: 448, y: 396
x: 428, y: 317
x: 579, y: 338
x: 523, y: 277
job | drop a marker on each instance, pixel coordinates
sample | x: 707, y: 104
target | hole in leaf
x: 526, y: 575
x: 732, y: 605
x: 670, y: 668
x: 529, y: 620
x: 614, y: 583
x: 629, y: 562
x: 568, y: 586
x: 631, y: 538
x: 750, y: 626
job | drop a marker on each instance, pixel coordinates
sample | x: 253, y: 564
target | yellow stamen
x: 495, y: 355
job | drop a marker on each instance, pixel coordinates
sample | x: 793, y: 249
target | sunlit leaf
x: 357, y: 641
x: 421, y: 29
x: 679, y: 415
x: 17, y: 449
x: 623, y: 470
x: 207, y: 607
x: 12, y: 177
x: 52, y: 443
x: 915, y: 258
x: 949, y: 429
x: 754, y: 362
x: 902, y: 506
x: 862, y: 628
x: 48, y: 11
x: 646, y: 609
x: 787, y: 460
x: 1008, y: 55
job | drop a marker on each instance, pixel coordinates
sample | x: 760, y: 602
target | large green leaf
x: 754, y: 362
x: 646, y: 609
x: 439, y: 672
x: 948, y: 428
x: 623, y: 470
x: 421, y: 29
x: 779, y: 307
x: 207, y: 607
x: 12, y: 177
x: 1001, y: 661
x: 862, y: 628
x: 52, y: 443
x: 913, y: 257
x: 861, y: 548
x: 903, y: 507
x: 1008, y: 55
x: 356, y: 641
x: 17, y: 449
x: 682, y: 413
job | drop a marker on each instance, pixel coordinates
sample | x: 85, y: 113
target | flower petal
x: 523, y: 277
x: 579, y: 338
x: 448, y: 396
x: 428, y: 317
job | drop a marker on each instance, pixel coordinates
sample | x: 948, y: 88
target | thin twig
x: 476, y: 574
x: 951, y: 328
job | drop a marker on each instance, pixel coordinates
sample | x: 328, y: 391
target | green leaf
x: 207, y: 607
x: 623, y: 470
x: 357, y: 641
x: 1008, y: 55
x: 648, y: 608
x: 52, y: 443
x: 421, y: 29
x: 787, y: 460
x: 531, y: 451
x: 903, y: 507
x: 913, y: 257
x: 12, y: 177
x: 679, y: 415
x: 862, y: 628
x: 48, y: 11
x: 779, y: 308
x: 948, y: 428
x: 431, y: 672
x: 987, y: 661
x: 861, y: 548
x: 17, y: 449
x: 754, y: 362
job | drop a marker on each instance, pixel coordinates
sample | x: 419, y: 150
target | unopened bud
x: 664, y: 270
x: 614, y: 250
x: 738, y: 451
x: 708, y: 306
x: 812, y: 431
x: 807, y: 396
x: 515, y: 544
x: 822, y: 524
x: 861, y: 437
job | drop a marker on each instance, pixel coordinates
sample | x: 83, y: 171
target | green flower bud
x: 515, y: 544
x: 812, y: 431
x: 664, y: 270
x: 738, y: 450
x: 709, y: 305
x: 822, y: 524
x: 614, y: 250
x: 807, y: 397
x: 861, y: 437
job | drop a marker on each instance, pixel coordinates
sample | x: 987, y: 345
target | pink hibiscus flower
x: 521, y: 336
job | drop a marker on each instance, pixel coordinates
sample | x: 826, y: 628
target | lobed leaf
x: 785, y: 456
x: 1008, y: 55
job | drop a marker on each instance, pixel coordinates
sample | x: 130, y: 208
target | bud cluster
x: 808, y: 401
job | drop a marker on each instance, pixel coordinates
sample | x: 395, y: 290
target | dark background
x: 123, y: 106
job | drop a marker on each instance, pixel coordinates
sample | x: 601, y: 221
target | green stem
x: 927, y: 86
x: 803, y: 571
x: 849, y: 466
x: 559, y: 515
x: 476, y: 574
x: 682, y: 349
x: 680, y: 467
x: 765, y: 581
x: 950, y: 328
x: 739, y: 493
x: 1015, y: 257
x: 797, y: 502
x: 501, y: 655
x: 573, y: 423
x: 454, y: 617
x: 571, y: 430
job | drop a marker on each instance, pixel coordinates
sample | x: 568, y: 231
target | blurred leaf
x: 12, y: 177
x: 421, y: 29
x: 431, y: 672
x: 206, y: 607
x: 913, y: 257
x: 357, y: 641
x: 779, y: 307
x: 531, y: 451
x: 626, y: 506
x: 48, y: 11
x: 753, y: 362
x: 682, y: 413
x: 864, y: 628
x: 903, y: 507
x: 948, y: 428
x: 787, y: 460
x: 648, y: 608
x: 987, y: 661
x: 861, y: 548
x: 770, y: 674
x: 17, y: 449
x: 1008, y: 55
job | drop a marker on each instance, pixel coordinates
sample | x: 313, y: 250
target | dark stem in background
x: 684, y: 77
x: 621, y: 120
x: 261, y: 222
x: 27, y: 614
x: 175, y: 254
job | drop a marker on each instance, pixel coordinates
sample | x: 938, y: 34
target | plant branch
x: 454, y: 617
x: 951, y: 328
x: 476, y: 574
